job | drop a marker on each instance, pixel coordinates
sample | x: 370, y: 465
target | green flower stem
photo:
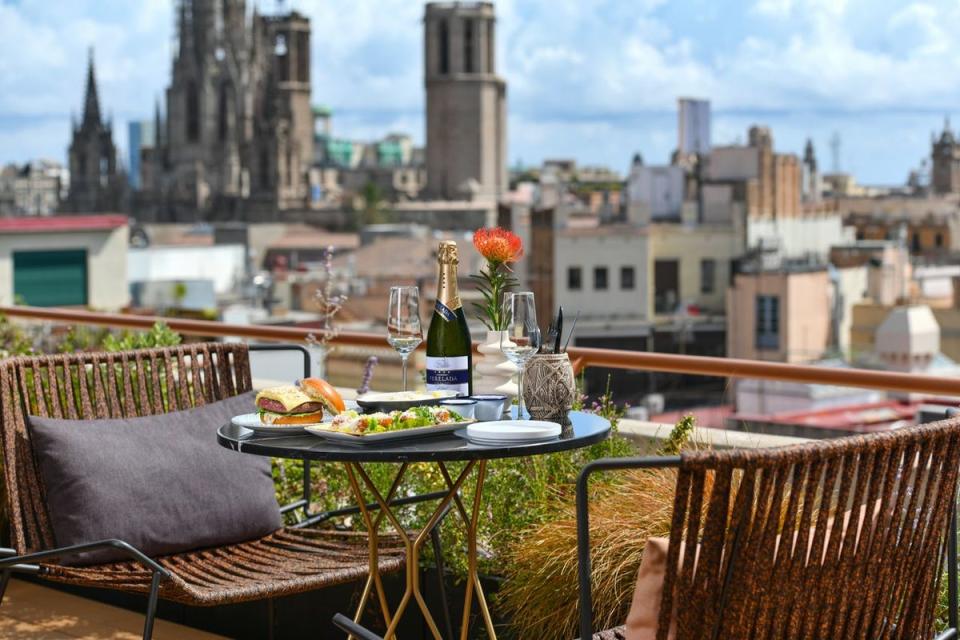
x: 493, y: 281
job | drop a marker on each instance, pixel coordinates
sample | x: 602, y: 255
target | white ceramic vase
x: 493, y: 373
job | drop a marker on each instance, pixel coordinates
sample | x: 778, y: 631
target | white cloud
x: 773, y: 8
x: 584, y: 77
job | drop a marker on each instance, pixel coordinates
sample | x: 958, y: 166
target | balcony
x: 582, y: 359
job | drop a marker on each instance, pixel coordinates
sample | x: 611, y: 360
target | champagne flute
x: 522, y: 336
x: 403, y: 323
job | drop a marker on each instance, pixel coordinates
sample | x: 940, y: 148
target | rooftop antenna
x: 835, y: 150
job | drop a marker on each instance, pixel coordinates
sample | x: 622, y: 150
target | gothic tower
x: 946, y: 162
x: 238, y: 138
x: 466, y: 102
x: 282, y: 148
x: 204, y: 129
x: 94, y: 183
x: 812, y: 184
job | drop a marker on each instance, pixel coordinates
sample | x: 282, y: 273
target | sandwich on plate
x: 297, y: 404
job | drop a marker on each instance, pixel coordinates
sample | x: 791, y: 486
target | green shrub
x: 159, y: 335
x: 14, y: 339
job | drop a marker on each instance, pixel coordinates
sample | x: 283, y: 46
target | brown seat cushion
x: 648, y: 593
x: 160, y: 483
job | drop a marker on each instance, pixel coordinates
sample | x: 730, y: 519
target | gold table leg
x: 373, y: 542
x: 473, y: 577
x: 413, y: 547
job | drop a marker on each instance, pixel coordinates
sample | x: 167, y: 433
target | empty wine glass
x: 522, y: 336
x: 403, y: 323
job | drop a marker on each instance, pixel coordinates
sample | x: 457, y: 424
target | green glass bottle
x: 449, y: 349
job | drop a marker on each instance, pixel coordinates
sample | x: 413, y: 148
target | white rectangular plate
x: 384, y: 436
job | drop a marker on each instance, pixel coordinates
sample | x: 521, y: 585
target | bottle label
x: 448, y: 373
x: 445, y: 312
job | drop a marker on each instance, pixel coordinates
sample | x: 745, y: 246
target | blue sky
x: 596, y: 80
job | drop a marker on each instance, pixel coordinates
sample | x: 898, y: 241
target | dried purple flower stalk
x: 367, y: 375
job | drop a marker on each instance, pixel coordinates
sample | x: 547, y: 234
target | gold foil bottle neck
x: 447, y: 254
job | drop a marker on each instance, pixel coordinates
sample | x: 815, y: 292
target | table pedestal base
x: 414, y: 546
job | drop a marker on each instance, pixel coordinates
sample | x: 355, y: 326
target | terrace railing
x: 581, y: 357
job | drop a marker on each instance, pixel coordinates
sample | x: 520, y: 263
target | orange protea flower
x: 498, y: 245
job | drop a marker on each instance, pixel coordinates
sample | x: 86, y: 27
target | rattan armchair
x: 290, y: 560
x: 876, y: 576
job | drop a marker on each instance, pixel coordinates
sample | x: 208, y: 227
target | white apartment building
x: 601, y: 273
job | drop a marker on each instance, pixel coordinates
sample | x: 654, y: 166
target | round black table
x: 580, y: 429
x: 583, y: 429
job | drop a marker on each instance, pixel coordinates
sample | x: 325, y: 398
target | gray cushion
x: 161, y: 483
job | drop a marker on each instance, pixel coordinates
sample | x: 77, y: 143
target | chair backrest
x: 834, y: 539
x: 99, y: 385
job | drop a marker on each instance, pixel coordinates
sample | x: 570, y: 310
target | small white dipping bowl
x: 490, y: 406
x: 464, y: 406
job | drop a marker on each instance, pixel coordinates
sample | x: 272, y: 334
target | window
x: 490, y: 46
x: 468, y: 46
x: 708, y: 274
x: 282, y: 51
x: 600, y: 278
x: 193, y: 112
x: 768, y: 322
x: 915, y: 242
x: 666, y: 286
x: 938, y: 240
x: 444, y: 48
x: 627, y: 278
x: 574, y: 278
x: 303, y: 56
x: 264, y: 169
x: 222, y: 107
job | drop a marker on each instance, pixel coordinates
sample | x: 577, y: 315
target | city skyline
x: 595, y: 83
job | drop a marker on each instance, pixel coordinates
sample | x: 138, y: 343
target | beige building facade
x: 690, y: 266
x: 781, y: 316
x: 601, y: 272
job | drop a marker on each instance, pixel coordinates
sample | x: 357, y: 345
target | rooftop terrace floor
x: 33, y: 612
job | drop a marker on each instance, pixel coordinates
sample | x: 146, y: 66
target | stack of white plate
x: 505, y: 432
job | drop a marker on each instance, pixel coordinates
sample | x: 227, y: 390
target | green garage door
x: 50, y: 278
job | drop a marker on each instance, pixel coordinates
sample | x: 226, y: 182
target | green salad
x: 413, y: 418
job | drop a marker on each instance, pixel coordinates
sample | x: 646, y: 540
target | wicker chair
x: 147, y: 382
x: 734, y: 508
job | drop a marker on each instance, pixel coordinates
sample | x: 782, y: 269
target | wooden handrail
x: 581, y: 356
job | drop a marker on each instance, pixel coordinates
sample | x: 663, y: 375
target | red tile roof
x: 60, y: 224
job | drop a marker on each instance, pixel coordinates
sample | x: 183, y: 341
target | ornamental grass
x: 539, y: 595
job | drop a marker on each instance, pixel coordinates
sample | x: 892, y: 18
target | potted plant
x: 500, y: 248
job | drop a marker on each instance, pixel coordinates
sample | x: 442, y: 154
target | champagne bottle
x: 449, y: 349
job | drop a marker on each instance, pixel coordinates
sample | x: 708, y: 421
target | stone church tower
x: 95, y: 185
x: 238, y: 137
x: 466, y: 103
x: 946, y: 162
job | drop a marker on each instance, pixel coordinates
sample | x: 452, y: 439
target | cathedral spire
x: 157, y: 125
x: 91, y: 102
